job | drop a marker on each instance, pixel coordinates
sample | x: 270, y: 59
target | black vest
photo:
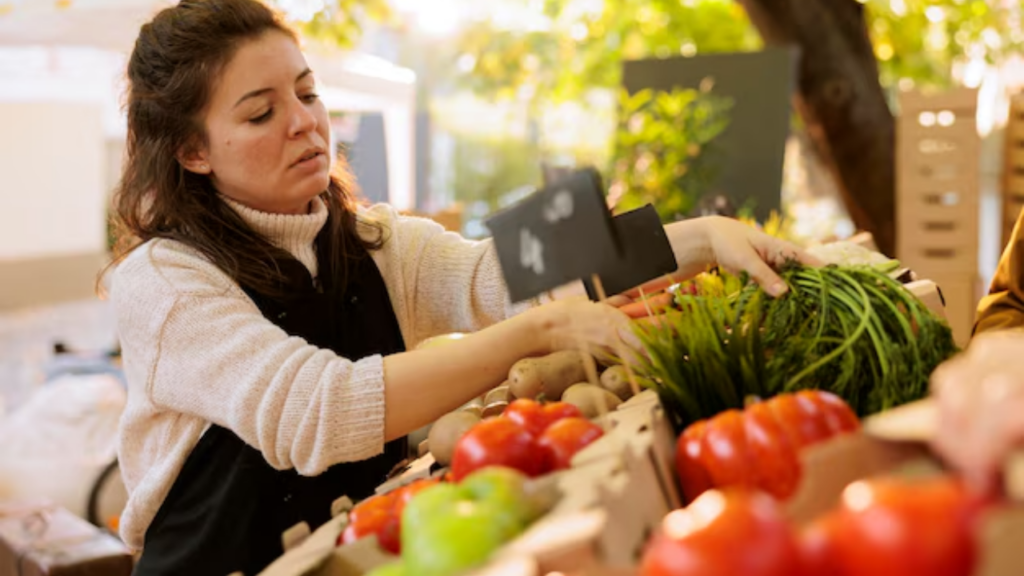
x: 228, y: 508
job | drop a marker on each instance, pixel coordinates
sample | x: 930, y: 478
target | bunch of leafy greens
x: 853, y: 331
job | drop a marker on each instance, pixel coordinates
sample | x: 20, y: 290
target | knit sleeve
x: 207, y: 351
x: 453, y: 284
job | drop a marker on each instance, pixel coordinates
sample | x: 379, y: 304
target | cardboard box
x: 896, y: 443
x: 621, y: 487
x: 41, y: 539
x: 617, y: 492
x: 937, y: 182
x: 961, y: 294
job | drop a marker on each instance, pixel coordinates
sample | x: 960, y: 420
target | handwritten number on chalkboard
x: 560, y: 208
x: 531, y: 252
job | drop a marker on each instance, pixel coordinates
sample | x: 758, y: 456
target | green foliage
x: 853, y: 331
x: 342, y: 21
x: 920, y: 40
x: 487, y: 169
x: 581, y: 50
x: 665, y: 151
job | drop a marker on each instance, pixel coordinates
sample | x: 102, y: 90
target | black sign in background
x: 559, y: 234
x: 754, y: 144
x: 646, y: 253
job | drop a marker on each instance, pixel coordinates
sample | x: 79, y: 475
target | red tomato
x: 724, y: 533
x: 536, y: 417
x: 817, y: 549
x: 759, y: 447
x: 367, y: 518
x: 891, y: 527
x: 837, y: 413
x: 390, y: 534
x: 692, y: 475
x: 565, y: 438
x: 497, y: 442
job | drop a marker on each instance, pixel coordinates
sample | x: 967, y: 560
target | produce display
x: 724, y: 534
x: 853, y: 331
x: 560, y: 376
x: 447, y: 528
x: 881, y: 528
x: 532, y: 438
x: 887, y: 527
x: 380, y: 516
x: 759, y: 447
x: 721, y: 469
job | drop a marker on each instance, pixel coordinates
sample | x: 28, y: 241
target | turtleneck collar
x: 294, y: 233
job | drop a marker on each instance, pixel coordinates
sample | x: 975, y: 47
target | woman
x: 265, y: 319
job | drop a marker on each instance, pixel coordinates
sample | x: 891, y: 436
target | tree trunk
x: 841, y: 102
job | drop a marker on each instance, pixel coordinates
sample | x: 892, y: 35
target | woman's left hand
x: 734, y: 246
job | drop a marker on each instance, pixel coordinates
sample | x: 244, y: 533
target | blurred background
x: 814, y: 119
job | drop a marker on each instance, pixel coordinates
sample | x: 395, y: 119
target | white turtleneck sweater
x: 198, y: 351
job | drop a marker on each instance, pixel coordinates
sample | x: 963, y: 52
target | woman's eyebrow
x: 263, y: 91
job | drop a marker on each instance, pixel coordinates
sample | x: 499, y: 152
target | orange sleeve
x: 1003, y: 307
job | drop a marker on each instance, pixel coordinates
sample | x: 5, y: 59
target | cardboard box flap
x: 312, y: 553
x: 913, y: 422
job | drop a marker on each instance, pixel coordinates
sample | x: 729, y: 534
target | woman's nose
x: 302, y: 118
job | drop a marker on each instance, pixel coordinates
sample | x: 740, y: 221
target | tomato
x: 692, y: 475
x: 817, y: 547
x: 724, y: 533
x: 390, y: 533
x: 367, y: 518
x: 497, y: 442
x: 759, y: 447
x: 536, y: 417
x: 563, y: 439
x: 837, y: 413
x: 893, y: 527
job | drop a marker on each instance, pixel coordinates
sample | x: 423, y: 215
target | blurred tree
x: 844, y: 75
x: 341, y: 22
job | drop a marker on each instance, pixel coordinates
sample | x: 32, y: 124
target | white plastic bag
x: 57, y: 443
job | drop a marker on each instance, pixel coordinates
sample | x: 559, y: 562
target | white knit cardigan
x: 197, y: 351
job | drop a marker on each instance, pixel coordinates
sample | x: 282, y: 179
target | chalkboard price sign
x: 559, y: 234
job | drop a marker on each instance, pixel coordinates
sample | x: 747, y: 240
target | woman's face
x: 267, y: 130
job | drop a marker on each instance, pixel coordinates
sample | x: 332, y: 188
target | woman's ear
x: 195, y: 160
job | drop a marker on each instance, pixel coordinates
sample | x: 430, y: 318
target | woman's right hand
x: 569, y: 323
x: 981, y: 406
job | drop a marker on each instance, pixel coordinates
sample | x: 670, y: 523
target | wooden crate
x: 937, y: 197
x: 937, y: 183
x: 1013, y: 166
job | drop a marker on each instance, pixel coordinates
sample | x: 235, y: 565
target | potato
x: 616, y: 381
x: 495, y: 408
x: 499, y: 394
x: 447, y: 431
x: 549, y: 375
x: 587, y: 396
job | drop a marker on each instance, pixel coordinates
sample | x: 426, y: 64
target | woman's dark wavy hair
x: 171, y: 75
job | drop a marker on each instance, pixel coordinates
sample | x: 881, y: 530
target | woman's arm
x: 424, y: 384
x: 1003, y: 307
x: 195, y: 344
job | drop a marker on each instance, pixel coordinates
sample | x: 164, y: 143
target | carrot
x: 656, y: 303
